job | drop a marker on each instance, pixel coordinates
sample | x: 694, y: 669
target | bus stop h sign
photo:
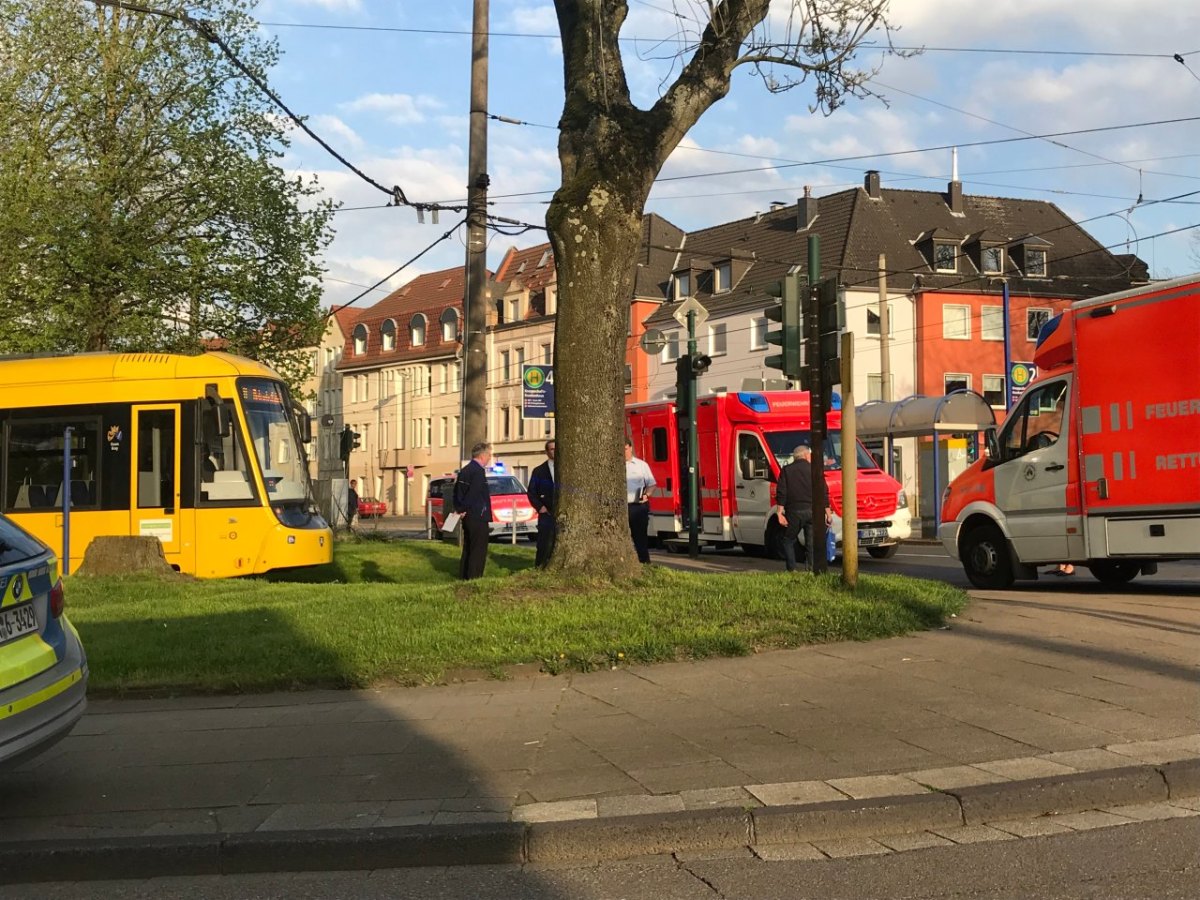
x: 537, y: 392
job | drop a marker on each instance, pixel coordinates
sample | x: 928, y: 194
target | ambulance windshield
x: 783, y: 443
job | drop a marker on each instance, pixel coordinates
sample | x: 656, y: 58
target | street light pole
x: 1007, y: 343
x: 693, y: 447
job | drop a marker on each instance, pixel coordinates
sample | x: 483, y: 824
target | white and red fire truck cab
x: 1099, y: 462
x: 744, y: 439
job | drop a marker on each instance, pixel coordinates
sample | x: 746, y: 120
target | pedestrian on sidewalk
x: 794, y: 497
x: 543, y: 493
x: 639, y: 486
x: 352, y: 504
x: 473, y: 503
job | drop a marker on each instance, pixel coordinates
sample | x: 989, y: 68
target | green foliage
x: 142, y: 205
x: 395, y: 611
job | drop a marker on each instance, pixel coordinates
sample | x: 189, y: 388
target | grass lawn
x: 394, y: 612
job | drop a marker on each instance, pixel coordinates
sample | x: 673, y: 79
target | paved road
x: 1159, y: 860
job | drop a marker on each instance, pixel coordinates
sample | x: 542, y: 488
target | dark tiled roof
x: 532, y: 268
x: 656, y: 258
x: 854, y: 229
x: 428, y: 295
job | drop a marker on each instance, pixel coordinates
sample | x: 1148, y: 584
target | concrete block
x: 1060, y: 794
x: 492, y: 843
x: 1091, y: 819
x: 1043, y: 826
x: 921, y: 840
x: 1150, y: 812
x: 1183, y: 777
x: 626, y: 836
x: 786, y: 793
x: 555, y: 811
x: 789, y: 852
x: 105, y: 858
x: 868, y: 787
x: 854, y: 818
x: 638, y: 805
x: 974, y: 834
x: 847, y: 848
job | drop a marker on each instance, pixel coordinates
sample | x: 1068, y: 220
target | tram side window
x: 224, y: 474
x: 35, y: 465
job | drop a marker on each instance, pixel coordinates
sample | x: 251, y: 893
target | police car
x: 510, y: 503
x: 43, y: 668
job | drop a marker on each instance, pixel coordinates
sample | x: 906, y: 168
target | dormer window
x: 1030, y: 255
x: 360, y: 339
x: 1035, y: 262
x: 722, y: 277
x: 683, y: 285
x: 416, y: 330
x: 992, y: 259
x: 387, y: 335
x: 945, y: 257
x: 449, y: 322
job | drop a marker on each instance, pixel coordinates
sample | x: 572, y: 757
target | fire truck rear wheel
x: 1114, y: 571
x: 986, y: 558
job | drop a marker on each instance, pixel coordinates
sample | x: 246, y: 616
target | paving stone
x: 845, y: 848
x: 468, y: 818
x: 788, y: 852
x: 1024, y: 767
x: 556, y: 811
x: 1085, y: 821
x: 1154, y: 751
x: 1027, y: 828
x: 637, y: 805
x: 308, y: 816
x: 872, y: 786
x: 917, y: 841
x: 953, y: 777
x: 1187, y: 803
x: 737, y: 853
x: 789, y: 792
x: 1088, y: 760
x: 1149, y: 812
x: 713, y: 797
x: 973, y: 834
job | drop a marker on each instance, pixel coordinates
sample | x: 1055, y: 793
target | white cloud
x: 334, y: 130
x: 402, y: 109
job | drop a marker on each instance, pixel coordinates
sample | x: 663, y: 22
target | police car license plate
x: 872, y: 535
x: 17, y: 621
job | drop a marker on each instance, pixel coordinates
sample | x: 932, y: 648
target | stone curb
x: 580, y: 840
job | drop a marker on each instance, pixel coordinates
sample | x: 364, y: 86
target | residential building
x: 322, y: 397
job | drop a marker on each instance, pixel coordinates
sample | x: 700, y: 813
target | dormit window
x: 945, y: 256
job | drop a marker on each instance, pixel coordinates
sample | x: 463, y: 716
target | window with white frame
x: 360, y: 339
x: 671, y: 350
x: 758, y: 334
x: 514, y: 310
x: 444, y: 372
x: 874, y: 386
x: 454, y: 368
x: 722, y: 277
x: 956, y: 382
x: 520, y: 362
x: 993, y: 390
x: 716, y: 339
x: 1035, y: 262
x: 956, y: 322
x: 520, y: 422
x: 387, y: 335
x: 683, y: 285
x: 991, y: 323
x: 992, y: 259
x: 416, y: 330
x: 551, y: 299
x: 945, y: 257
x: 505, y: 365
x: 443, y: 430
x: 874, y: 324
x: 547, y: 353
x: 1035, y: 319
x: 353, y: 379
x: 449, y: 321
x: 505, y: 427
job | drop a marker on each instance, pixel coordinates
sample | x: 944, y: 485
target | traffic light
x: 831, y: 322
x: 357, y: 440
x: 687, y: 369
x: 350, y: 440
x: 787, y: 312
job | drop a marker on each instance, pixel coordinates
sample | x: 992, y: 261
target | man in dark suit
x: 794, y: 495
x: 473, y: 502
x: 543, y: 487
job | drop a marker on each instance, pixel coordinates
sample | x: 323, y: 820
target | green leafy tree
x: 142, y: 206
x: 611, y: 151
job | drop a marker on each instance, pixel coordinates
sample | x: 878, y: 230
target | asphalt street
x: 1158, y: 859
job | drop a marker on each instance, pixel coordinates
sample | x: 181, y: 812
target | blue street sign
x: 537, y: 392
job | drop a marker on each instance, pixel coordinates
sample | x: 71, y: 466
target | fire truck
x: 1099, y: 462
x: 744, y: 439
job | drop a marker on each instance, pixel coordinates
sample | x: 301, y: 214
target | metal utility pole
x: 885, y: 325
x: 849, y: 466
x: 693, y: 447
x: 474, y: 417
x: 816, y: 400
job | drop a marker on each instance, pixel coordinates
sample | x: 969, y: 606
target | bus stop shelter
x: 918, y: 416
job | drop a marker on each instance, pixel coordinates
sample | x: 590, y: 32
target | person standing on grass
x: 473, y: 503
x: 639, y: 485
x: 542, y: 493
x: 352, y: 505
x: 794, y: 496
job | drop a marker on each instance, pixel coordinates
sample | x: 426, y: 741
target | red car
x: 370, y: 508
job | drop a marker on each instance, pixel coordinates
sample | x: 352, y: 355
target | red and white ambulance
x: 1099, y: 462
x: 744, y: 439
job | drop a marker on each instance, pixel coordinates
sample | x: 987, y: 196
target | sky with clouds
x: 395, y: 103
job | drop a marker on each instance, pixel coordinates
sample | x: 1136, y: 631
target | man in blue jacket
x: 473, y: 502
x: 543, y: 486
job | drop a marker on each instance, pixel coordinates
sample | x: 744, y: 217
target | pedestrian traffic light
x: 350, y: 440
x: 831, y: 322
x: 787, y: 312
x: 357, y: 440
x: 688, y: 368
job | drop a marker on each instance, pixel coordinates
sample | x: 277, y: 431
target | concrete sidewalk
x: 1023, y: 686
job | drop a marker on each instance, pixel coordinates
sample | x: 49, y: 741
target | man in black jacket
x: 473, y: 502
x: 794, y: 495
x: 543, y: 486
